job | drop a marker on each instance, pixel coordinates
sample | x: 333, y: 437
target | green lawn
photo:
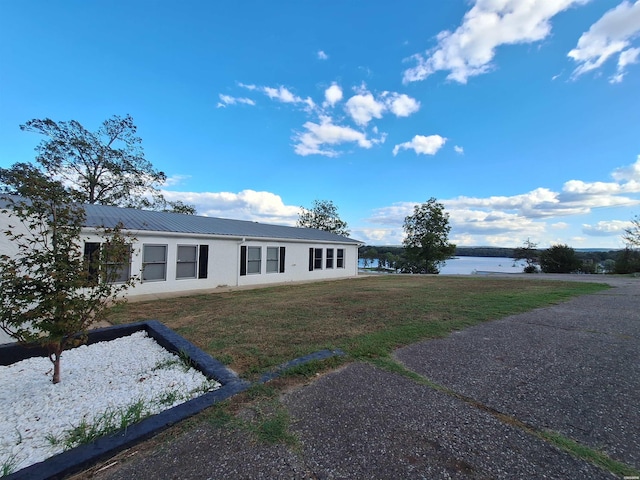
x: 254, y: 330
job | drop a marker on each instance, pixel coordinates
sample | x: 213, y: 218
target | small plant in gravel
x: 52, y: 439
x: 166, y: 365
x: 108, y: 422
x: 169, y: 398
x: 182, y: 360
x: 8, y: 465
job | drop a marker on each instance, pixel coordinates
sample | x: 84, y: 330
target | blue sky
x: 521, y: 116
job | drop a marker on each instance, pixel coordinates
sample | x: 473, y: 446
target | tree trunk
x: 55, y: 359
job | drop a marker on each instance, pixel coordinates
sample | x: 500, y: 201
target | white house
x: 173, y: 252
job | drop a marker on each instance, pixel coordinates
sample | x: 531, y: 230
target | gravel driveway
x: 573, y: 368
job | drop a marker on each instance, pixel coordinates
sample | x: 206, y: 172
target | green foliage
x: 426, y: 243
x: 323, y: 216
x: 632, y: 234
x: 559, y: 259
x: 48, y: 295
x: 107, y: 166
x: 628, y: 261
x: 529, y: 253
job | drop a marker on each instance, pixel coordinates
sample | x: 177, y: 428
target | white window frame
x: 329, y: 262
x: 183, y: 262
x: 254, y: 262
x: 144, y: 263
x: 273, y: 264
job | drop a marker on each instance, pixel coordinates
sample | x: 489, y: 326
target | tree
x: 107, y: 166
x: 323, y: 216
x: 559, y: 259
x: 632, y: 234
x: 426, y: 243
x: 529, y: 253
x: 628, y: 261
x: 50, y: 293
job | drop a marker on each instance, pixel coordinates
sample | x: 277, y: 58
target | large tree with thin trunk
x: 427, y: 238
x: 107, y: 166
x: 51, y: 291
x: 323, y: 216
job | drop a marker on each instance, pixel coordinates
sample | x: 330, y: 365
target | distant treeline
x: 373, y: 252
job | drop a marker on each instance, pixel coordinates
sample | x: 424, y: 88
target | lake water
x: 470, y: 265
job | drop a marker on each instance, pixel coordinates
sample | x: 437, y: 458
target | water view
x: 470, y: 265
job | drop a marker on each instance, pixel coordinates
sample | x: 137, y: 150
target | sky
x: 522, y: 117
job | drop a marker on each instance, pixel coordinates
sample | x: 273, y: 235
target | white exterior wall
x: 223, y: 262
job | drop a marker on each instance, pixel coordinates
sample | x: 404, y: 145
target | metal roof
x: 146, y: 220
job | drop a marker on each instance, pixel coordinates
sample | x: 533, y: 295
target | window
x: 92, y: 262
x: 273, y: 263
x: 99, y: 263
x: 254, y: 260
x: 186, y: 266
x: 315, y: 259
x: 329, y: 263
x: 154, y: 262
x: 340, y: 258
x: 117, y: 271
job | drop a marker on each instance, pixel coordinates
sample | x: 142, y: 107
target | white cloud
x: 401, y: 105
x: 322, y: 55
x: 174, y: 180
x: 610, y: 35
x: 422, y: 145
x: 318, y: 136
x: 332, y: 95
x: 229, y: 100
x: 606, y: 228
x: 281, y: 94
x: 470, y: 49
x: 247, y: 86
x: 459, y: 149
x: 364, y: 107
x: 629, y: 173
x: 245, y: 205
x: 628, y: 57
x: 378, y: 236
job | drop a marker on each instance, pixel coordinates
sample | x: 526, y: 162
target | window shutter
x: 243, y: 260
x: 311, y: 259
x: 282, y: 249
x: 203, y: 261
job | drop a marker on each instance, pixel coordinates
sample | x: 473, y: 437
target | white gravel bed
x: 103, y: 377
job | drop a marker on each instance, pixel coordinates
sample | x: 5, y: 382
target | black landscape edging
x: 80, y: 458
x: 321, y: 355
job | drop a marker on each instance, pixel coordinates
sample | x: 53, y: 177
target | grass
x: 255, y: 330
x: 107, y: 422
x: 594, y: 456
x: 8, y: 466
